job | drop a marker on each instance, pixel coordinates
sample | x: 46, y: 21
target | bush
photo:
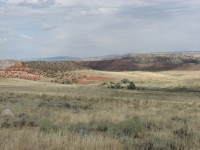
x: 68, y: 82
x: 181, y: 132
x: 80, y: 126
x: 131, y: 86
x: 151, y: 125
x: 125, y: 81
x: 43, y: 96
x: 126, y: 128
x: 101, y: 126
x: 179, y: 119
x: 21, y: 121
x: 104, y: 83
x: 47, y: 126
x: 164, y: 143
x: 6, y: 124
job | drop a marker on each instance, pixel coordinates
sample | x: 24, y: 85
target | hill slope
x: 58, y: 72
x: 7, y: 63
x: 146, y: 62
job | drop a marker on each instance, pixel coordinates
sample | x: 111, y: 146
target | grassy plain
x: 164, y: 111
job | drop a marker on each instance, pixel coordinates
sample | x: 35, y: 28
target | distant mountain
x: 113, y: 55
x: 67, y: 58
x: 192, y: 54
x: 100, y: 57
x: 59, y: 58
x: 7, y: 63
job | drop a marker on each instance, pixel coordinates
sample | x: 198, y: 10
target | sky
x: 90, y: 28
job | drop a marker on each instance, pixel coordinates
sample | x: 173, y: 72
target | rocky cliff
x: 7, y: 63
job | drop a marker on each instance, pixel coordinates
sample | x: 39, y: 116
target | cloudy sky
x: 86, y: 28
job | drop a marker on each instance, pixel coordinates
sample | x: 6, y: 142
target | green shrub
x: 181, y: 132
x: 47, y: 126
x: 6, y: 124
x: 131, y: 86
x: 68, y: 82
x: 151, y: 125
x: 43, y: 96
x: 163, y: 143
x: 45, y: 104
x: 80, y: 126
x: 127, y: 128
x: 21, y: 121
x: 101, y: 126
x: 125, y: 81
x: 117, y: 85
x: 179, y: 119
x: 104, y: 83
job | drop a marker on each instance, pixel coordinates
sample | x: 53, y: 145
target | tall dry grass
x: 163, y: 121
x: 168, y: 119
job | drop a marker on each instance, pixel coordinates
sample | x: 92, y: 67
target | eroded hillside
x: 36, y: 70
x: 56, y: 72
x: 7, y: 63
x: 146, y: 62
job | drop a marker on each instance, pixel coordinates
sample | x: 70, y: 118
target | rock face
x: 7, y: 63
x: 6, y: 112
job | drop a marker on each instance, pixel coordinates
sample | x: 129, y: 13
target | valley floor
x: 163, y: 111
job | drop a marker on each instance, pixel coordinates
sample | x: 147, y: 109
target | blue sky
x: 77, y: 28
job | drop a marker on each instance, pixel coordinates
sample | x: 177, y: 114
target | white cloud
x: 94, y: 27
x: 37, y: 3
x: 46, y: 26
x: 3, y: 40
x: 26, y: 37
x: 12, y: 1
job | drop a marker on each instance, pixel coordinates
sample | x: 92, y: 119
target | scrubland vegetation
x: 70, y: 117
x: 56, y: 72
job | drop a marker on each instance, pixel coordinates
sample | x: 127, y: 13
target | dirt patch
x: 92, y: 79
x: 85, y: 81
x: 98, y: 78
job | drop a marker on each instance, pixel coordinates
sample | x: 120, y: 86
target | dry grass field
x: 163, y: 112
